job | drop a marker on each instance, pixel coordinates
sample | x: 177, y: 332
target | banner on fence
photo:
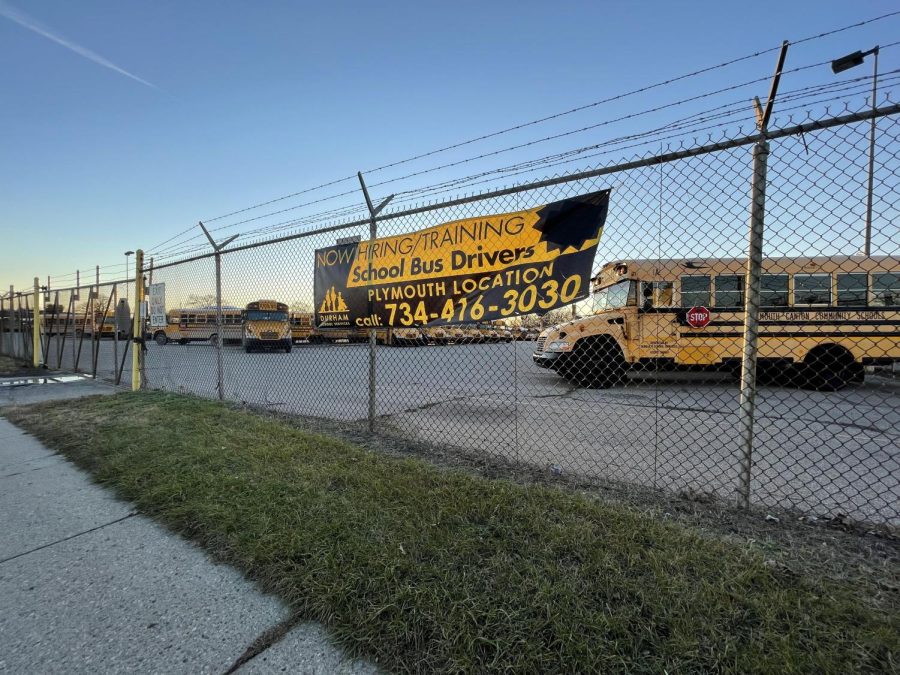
x: 465, y: 271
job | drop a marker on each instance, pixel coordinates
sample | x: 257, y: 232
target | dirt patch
x: 10, y: 367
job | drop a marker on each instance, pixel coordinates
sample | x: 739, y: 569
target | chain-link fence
x: 649, y: 380
x: 84, y: 330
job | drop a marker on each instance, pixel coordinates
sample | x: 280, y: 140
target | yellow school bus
x: 97, y: 324
x: 439, y: 335
x: 465, y: 334
x: 495, y: 331
x: 822, y: 320
x: 265, y: 324
x: 198, y: 324
x: 301, y: 325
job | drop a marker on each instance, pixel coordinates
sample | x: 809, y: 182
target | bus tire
x: 214, y: 340
x: 160, y: 338
x: 596, y: 363
x: 287, y: 350
x: 830, y: 368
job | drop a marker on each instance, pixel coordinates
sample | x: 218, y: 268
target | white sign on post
x: 158, y: 305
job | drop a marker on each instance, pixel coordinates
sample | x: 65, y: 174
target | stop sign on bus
x: 698, y: 317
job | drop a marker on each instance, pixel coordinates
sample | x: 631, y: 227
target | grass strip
x: 426, y: 569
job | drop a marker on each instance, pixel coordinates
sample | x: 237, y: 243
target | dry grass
x: 428, y: 569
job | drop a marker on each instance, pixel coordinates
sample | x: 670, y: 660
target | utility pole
x: 839, y: 66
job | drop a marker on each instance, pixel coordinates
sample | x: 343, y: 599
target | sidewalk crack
x: 265, y: 640
x: 72, y: 536
x: 20, y: 473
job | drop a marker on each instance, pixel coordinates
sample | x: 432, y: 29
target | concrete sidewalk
x: 87, y: 585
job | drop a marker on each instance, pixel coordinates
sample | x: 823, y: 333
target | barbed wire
x: 173, y: 247
x: 530, y: 123
x: 692, y: 122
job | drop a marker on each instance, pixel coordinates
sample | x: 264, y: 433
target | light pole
x: 839, y: 66
x: 127, y: 254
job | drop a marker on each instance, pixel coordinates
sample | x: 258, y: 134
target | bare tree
x: 556, y: 316
x: 208, y: 300
x: 303, y: 307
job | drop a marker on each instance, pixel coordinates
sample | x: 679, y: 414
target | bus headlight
x: 558, y: 346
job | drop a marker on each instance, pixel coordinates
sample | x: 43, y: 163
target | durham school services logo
x: 334, y: 310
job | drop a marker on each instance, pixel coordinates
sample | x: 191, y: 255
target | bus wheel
x: 830, y: 368
x: 596, y: 363
x: 160, y: 338
x: 214, y: 340
x: 287, y: 349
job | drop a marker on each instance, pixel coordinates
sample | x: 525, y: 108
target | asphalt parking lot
x: 823, y: 453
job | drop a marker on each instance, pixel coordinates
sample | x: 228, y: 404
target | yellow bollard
x: 36, y: 325
x: 137, y: 331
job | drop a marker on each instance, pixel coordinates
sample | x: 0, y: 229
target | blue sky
x: 253, y: 100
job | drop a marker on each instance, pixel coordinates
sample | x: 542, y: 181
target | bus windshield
x: 615, y: 296
x: 260, y: 315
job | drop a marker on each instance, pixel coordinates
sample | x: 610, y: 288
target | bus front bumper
x: 551, y: 360
x: 257, y: 343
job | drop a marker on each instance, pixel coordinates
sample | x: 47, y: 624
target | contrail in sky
x: 26, y: 21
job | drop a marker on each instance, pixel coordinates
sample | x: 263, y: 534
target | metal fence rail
x: 646, y: 395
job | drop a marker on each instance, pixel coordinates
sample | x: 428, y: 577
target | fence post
x: 137, y: 331
x: 10, y: 323
x: 751, y: 317
x: 219, y: 335
x: 220, y: 368
x: 3, y: 323
x: 36, y: 325
x: 373, y: 231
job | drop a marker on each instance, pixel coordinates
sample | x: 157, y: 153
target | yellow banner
x: 461, y: 247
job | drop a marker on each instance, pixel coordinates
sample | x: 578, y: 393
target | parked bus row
x: 198, y: 324
x: 61, y: 322
x: 277, y: 327
x: 821, y: 322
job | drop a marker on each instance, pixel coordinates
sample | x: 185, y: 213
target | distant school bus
x: 302, y: 325
x: 465, y: 334
x: 822, y: 320
x: 495, y: 331
x: 97, y: 324
x: 266, y: 325
x: 198, y: 324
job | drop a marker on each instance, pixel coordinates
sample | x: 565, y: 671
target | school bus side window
x: 695, y: 291
x: 812, y: 289
x: 886, y: 290
x: 851, y: 289
x: 730, y: 290
x: 774, y: 290
x: 665, y: 293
